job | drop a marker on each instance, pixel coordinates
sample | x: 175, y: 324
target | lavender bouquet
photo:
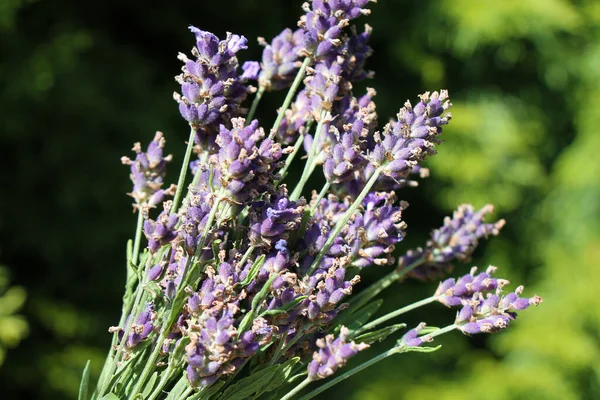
x: 245, y: 288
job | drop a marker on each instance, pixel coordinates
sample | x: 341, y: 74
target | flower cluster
x: 243, y: 286
x: 148, y: 172
x: 211, y: 89
x: 485, y: 309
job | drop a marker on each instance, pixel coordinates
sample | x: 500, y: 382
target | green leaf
x: 286, y: 307
x: 85, y: 380
x: 178, y: 389
x: 418, y: 349
x: 263, y: 381
x: 254, y: 270
x: 110, y: 396
x: 379, y: 335
x: 150, y: 385
x: 362, y: 315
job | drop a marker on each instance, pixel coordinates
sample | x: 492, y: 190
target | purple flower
x: 140, y: 330
x: 457, y: 239
x: 492, y: 312
x: 333, y: 354
x: 378, y: 229
x: 324, y: 22
x: 295, y: 119
x: 322, y: 86
x: 163, y: 230
x: 406, y: 142
x: 211, y: 90
x: 246, y: 163
x: 412, y: 338
x: 273, y: 220
x: 148, y: 172
x: 453, y: 292
x: 280, y: 60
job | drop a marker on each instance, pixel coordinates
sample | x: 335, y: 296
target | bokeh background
x: 81, y: 81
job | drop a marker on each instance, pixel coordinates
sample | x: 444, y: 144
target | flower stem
x: 394, y: 314
x: 322, y: 194
x: 259, y: 94
x: 364, y: 296
x: 150, y: 363
x: 342, y: 222
x: 289, y: 96
x: 183, y: 172
x: 308, y: 168
x: 297, y: 389
x: 138, y: 238
x: 291, y: 156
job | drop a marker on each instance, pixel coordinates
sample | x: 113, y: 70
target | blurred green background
x: 81, y: 81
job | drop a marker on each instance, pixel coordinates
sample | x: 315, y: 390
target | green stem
x: 366, y: 295
x: 187, y: 392
x: 297, y: 389
x: 184, y: 169
x: 281, y: 351
x: 246, y: 255
x: 394, y: 314
x: 166, y: 376
x: 290, y: 158
x: 322, y: 194
x: 290, y: 96
x: 254, y: 105
x: 137, y: 240
x: 342, y: 222
x: 150, y: 363
x: 308, y: 168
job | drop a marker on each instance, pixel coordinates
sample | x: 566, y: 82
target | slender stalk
x: 246, y: 255
x: 150, y: 363
x: 322, y: 194
x: 309, y: 168
x: 187, y: 392
x: 138, y: 238
x: 289, y: 97
x: 374, y: 360
x: 259, y: 94
x: 166, y: 376
x: 342, y: 222
x: 183, y: 172
x: 281, y: 351
x: 291, y: 156
x: 297, y: 389
x: 394, y: 314
x: 366, y: 295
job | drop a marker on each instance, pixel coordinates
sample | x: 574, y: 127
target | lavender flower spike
x: 457, y: 239
x: 333, y: 354
x: 280, y: 59
x: 211, y: 90
x: 406, y: 142
x: 148, y: 172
